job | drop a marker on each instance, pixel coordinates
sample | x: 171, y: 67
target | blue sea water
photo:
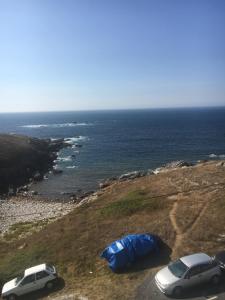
x: 115, y: 142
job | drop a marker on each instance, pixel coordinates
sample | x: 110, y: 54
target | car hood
x: 165, y: 277
x: 8, y: 286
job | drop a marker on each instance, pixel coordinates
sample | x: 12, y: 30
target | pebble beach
x: 19, y: 209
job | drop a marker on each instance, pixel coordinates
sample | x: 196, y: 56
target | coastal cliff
x: 24, y: 159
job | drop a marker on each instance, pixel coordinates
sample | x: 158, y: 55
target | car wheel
x: 49, y: 285
x: 215, y: 279
x: 177, y: 291
x: 11, y: 297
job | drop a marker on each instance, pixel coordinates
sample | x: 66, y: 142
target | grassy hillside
x: 185, y: 207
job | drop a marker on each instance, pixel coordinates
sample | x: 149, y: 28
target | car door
x: 209, y: 270
x: 41, y: 279
x: 27, y: 285
x: 193, y: 276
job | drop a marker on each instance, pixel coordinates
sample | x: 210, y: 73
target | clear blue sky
x: 104, y: 54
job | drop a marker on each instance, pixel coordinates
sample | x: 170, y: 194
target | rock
x: 150, y: 172
x: 11, y: 192
x: 103, y: 185
x: 132, y: 175
x: 202, y: 161
x: 24, y: 188
x: 86, y: 194
x: 57, y: 171
x: 22, y: 246
x: 172, y: 165
x: 158, y: 170
x: 221, y: 164
x: 33, y: 193
x: 178, y: 164
x: 38, y: 176
x: 56, y: 145
x: 78, y: 145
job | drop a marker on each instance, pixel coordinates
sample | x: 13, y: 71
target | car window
x: 50, y: 268
x: 208, y: 266
x: 19, y: 277
x: 28, y: 279
x: 41, y: 275
x: 178, y: 268
x: 195, y: 271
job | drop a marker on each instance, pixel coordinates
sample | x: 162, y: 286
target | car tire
x: 11, y: 297
x: 49, y: 285
x: 177, y: 291
x: 215, y: 280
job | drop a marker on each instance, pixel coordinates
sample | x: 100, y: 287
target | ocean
x: 116, y: 142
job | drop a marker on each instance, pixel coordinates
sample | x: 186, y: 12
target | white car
x: 187, y: 272
x: 35, y: 278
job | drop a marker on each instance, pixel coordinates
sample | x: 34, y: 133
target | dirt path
x: 178, y: 231
x: 181, y: 235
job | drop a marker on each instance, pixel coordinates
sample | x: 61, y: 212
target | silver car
x: 186, y: 272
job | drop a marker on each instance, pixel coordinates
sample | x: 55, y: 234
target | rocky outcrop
x: 178, y: 164
x: 24, y: 159
x: 124, y: 177
x: 132, y: 175
x: 173, y: 165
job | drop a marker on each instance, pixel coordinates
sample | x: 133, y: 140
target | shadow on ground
x: 153, y: 259
x: 59, y: 285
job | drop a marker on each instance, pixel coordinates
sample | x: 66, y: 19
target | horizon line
x: 114, y: 109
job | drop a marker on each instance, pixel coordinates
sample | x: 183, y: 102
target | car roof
x: 35, y: 269
x: 195, y: 259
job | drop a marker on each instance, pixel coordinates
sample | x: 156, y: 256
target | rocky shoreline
x: 24, y: 160
x: 137, y: 174
x: 29, y: 208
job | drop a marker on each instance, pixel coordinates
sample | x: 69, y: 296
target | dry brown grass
x: 75, y: 242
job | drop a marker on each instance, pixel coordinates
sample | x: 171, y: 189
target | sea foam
x: 221, y: 156
x: 73, y: 140
x: 36, y: 126
x: 64, y: 159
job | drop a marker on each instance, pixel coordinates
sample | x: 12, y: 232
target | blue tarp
x: 125, y: 251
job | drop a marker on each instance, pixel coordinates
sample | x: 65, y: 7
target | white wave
x: 71, y: 167
x: 212, y: 155
x: 74, y: 140
x: 221, y: 156
x: 64, y: 159
x: 75, y: 151
x: 34, y: 126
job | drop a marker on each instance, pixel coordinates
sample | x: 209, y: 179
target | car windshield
x: 50, y: 268
x: 178, y: 268
x: 18, y: 278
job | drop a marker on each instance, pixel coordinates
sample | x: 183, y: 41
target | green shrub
x: 132, y: 203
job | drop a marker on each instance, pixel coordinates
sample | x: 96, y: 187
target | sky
x: 103, y: 54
